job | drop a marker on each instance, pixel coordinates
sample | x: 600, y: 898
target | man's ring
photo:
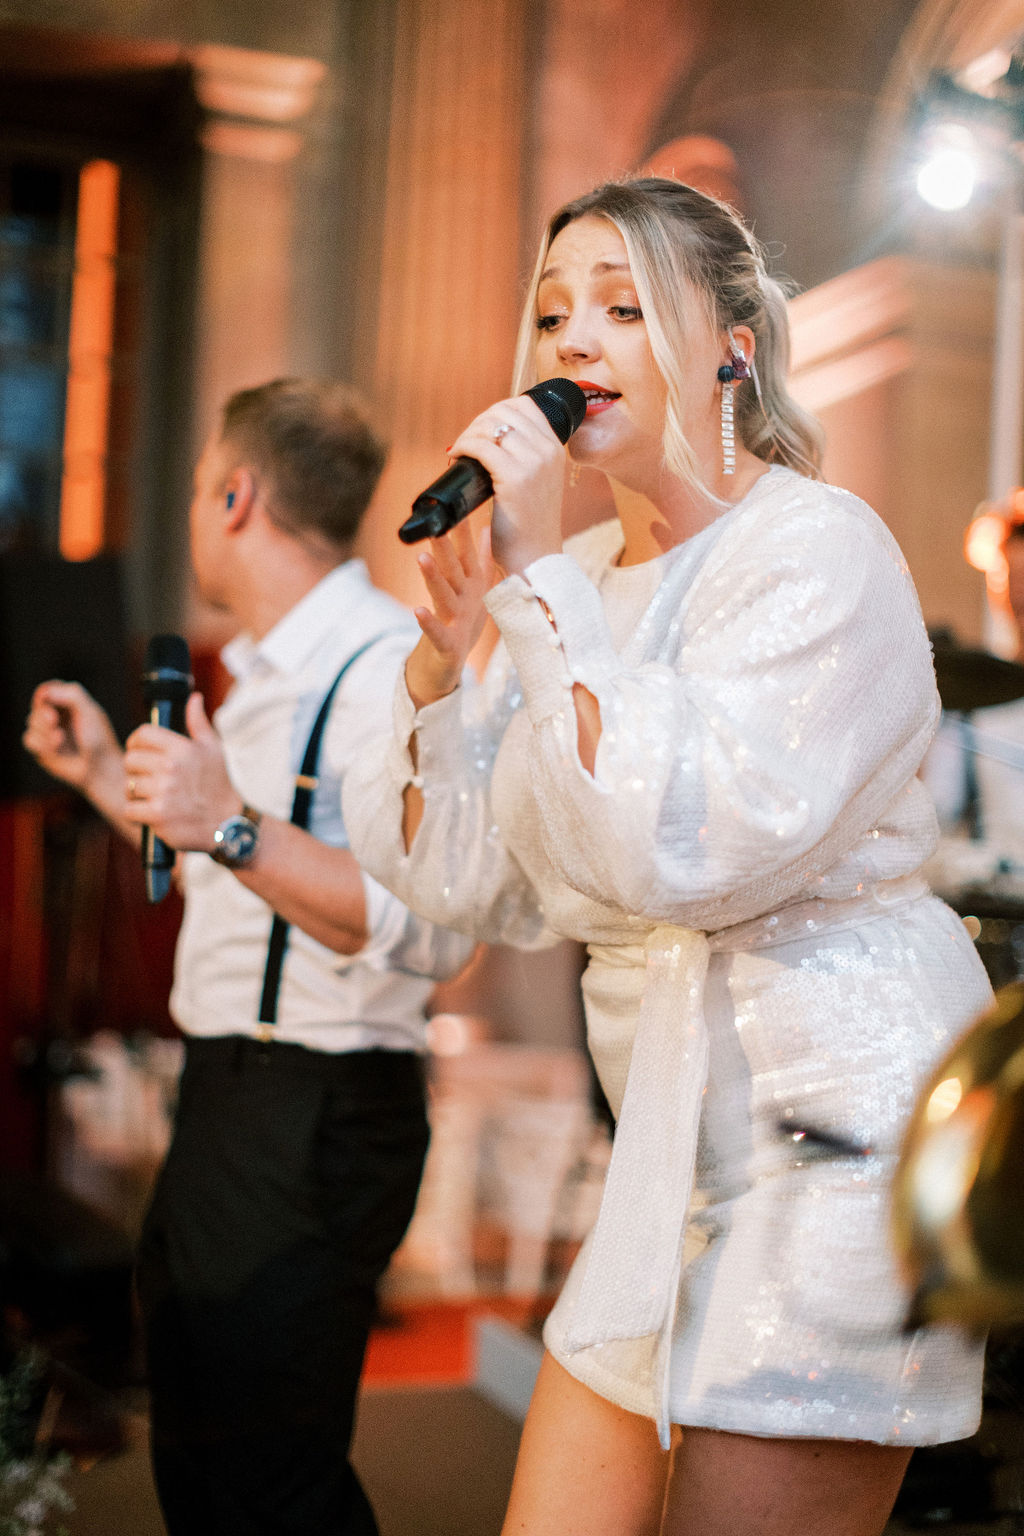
x: 131, y: 789
x: 502, y: 430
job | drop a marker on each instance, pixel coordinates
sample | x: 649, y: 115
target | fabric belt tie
x: 631, y: 1283
x: 630, y: 1286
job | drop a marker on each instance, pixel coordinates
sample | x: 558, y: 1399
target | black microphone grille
x: 167, y: 653
x: 167, y: 670
x: 563, y: 403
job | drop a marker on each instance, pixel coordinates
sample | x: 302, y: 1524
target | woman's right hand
x: 458, y: 573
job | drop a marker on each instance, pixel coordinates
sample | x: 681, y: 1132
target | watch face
x: 235, y: 841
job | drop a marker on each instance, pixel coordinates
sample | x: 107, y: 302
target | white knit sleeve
x: 458, y: 872
x: 797, y: 700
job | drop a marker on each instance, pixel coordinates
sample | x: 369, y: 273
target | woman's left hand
x: 457, y: 573
x: 527, y: 465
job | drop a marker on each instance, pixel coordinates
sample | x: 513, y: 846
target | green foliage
x: 31, y: 1479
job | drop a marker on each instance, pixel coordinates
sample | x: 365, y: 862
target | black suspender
x: 302, y: 804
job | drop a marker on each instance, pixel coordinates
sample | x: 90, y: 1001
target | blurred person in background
x: 299, y: 1139
x: 975, y: 768
x: 696, y: 750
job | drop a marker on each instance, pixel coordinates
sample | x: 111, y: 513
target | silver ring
x: 502, y: 430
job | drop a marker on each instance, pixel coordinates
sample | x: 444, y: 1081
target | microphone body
x: 466, y: 485
x: 166, y: 684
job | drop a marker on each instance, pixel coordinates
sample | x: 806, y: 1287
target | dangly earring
x: 729, y: 375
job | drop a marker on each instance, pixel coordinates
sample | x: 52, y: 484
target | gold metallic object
x: 958, y: 1195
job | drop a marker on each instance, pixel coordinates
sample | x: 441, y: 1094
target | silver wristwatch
x: 236, y: 840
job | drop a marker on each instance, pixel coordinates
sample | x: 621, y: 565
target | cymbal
x: 970, y: 679
x: 958, y: 1200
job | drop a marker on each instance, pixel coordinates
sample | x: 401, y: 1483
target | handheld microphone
x: 466, y: 485
x: 166, y: 684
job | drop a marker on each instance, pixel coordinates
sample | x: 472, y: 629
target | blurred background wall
x: 203, y: 194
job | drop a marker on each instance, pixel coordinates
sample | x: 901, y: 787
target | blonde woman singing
x: 696, y: 750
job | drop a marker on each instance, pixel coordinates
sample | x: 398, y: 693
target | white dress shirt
x: 327, y: 1001
x: 995, y: 739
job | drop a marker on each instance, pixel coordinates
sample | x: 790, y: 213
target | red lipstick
x: 598, y: 398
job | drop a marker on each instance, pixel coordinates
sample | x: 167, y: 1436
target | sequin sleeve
x: 458, y: 872
x: 791, y: 703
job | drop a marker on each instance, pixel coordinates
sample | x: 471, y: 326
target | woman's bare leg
x: 586, y: 1467
x: 742, y: 1485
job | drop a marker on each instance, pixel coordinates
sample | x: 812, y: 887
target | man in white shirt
x: 301, y: 1129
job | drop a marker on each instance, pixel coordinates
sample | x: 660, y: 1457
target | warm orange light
x: 983, y: 542
x: 90, y: 348
x: 986, y: 536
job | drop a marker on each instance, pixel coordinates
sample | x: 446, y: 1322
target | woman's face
x: 590, y: 329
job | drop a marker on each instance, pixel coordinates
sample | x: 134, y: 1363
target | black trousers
x: 290, y: 1179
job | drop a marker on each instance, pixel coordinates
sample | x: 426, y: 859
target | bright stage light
x: 983, y: 543
x: 947, y: 178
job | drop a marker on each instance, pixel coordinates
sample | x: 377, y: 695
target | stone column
x: 251, y: 140
x: 894, y: 359
x: 450, y: 271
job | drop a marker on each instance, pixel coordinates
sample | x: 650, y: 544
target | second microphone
x: 466, y: 485
x: 166, y: 684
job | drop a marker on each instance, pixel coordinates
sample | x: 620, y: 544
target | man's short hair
x: 312, y: 444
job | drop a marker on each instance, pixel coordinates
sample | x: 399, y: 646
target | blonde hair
x: 692, y: 259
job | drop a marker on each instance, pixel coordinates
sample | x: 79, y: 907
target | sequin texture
x: 766, y: 696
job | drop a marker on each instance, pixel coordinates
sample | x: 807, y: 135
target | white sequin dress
x: 764, y: 957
